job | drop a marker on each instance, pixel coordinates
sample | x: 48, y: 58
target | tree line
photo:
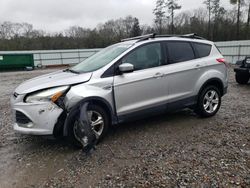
x: 213, y: 22
x: 22, y: 36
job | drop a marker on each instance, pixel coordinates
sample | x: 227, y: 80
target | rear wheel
x: 209, y: 101
x: 242, y: 78
x: 98, y: 119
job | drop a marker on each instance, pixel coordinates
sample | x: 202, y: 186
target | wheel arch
x: 214, y: 82
x: 92, y: 100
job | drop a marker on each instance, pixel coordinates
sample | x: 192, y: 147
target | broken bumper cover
x: 35, y: 118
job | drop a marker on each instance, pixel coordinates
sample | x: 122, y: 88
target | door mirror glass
x: 126, y: 67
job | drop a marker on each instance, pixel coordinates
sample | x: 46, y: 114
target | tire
x: 242, y: 78
x: 209, y: 101
x: 96, y: 111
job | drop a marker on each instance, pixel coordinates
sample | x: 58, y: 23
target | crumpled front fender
x: 83, y: 131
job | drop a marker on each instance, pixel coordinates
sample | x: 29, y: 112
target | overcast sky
x: 57, y: 15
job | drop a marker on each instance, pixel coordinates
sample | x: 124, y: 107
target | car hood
x: 58, y: 78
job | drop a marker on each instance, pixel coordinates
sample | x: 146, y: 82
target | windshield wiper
x: 70, y: 70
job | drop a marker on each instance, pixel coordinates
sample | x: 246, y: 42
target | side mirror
x: 126, y: 68
x: 248, y: 60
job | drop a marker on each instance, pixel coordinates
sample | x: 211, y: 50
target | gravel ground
x: 170, y: 150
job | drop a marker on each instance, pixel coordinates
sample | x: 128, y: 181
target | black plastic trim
x: 22, y: 118
x: 222, y: 87
x: 58, y: 128
x: 167, y: 107
x: 242, y: 70
x: 109, y: 72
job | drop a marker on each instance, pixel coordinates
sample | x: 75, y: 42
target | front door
x: 145, y: 87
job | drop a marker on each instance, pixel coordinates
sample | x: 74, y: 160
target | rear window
x: 179, y: 51
x: 203, y: 50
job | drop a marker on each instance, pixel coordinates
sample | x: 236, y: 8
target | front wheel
x: 242, y: 78
x: 209, y: 101
x: 98, y: 120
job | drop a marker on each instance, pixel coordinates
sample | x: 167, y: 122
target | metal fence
x: 56, y: 57
x: 232, y: 51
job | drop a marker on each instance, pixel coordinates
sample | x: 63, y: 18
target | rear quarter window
x: 203, y: 50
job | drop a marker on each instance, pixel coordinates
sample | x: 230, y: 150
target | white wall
x: 232, y: 51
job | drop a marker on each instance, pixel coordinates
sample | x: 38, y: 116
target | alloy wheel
x: 97, y: 124
x: 211, y: 101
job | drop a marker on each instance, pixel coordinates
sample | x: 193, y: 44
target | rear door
x: 184, y: 69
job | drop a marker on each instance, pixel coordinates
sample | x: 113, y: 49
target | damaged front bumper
x: 34, y: 118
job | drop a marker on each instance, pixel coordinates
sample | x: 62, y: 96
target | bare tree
x: 127, y: 24
x: 136, y: 29
x: 218, y: 11
x: 248, y: 15
x: 27, y: 30
x: 172, y: 7
x: 22, y: 36
x: 239, y: 4
x: 146, y: 29
x: 209, y: 8
x: 77, y: 32
x: 6, y: 30
x: 159, y: 13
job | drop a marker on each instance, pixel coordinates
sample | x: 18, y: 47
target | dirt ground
x: 170, y: 150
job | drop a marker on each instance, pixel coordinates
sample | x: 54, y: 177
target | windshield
x: 101, y: 58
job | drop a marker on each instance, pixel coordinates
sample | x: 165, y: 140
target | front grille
x: 21, y: 118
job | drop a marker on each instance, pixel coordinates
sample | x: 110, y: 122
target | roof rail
x: 191, y: 35
x: 153, y: 35
x: 140, y: 38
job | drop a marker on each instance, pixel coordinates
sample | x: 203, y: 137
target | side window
x: 179, y: 51
x: 203, y: 50
x: 144, y: 57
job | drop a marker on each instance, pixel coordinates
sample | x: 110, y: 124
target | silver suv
x: 134, y: 78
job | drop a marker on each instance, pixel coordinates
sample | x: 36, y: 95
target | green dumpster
x: 16, y: 61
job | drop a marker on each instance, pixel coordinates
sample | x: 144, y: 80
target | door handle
x: 158, y: 75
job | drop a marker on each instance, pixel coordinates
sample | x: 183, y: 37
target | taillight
x: 222, y: 60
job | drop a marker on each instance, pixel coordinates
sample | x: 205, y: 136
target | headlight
x: 47, y: 95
